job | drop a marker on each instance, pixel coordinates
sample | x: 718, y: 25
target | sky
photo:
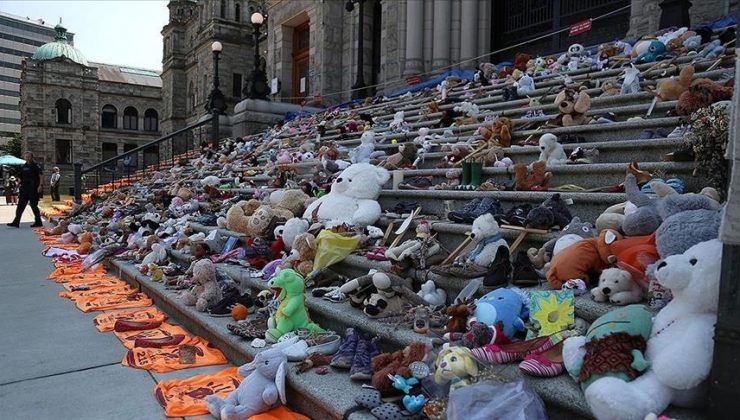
x: 124, y: 32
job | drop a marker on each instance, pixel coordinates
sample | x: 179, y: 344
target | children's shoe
x: 507, y: 353
x: 362, y: 368
x: 546, y: 364
x: 346, y: 353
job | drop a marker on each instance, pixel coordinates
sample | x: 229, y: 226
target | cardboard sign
x: 580, y: 27
x: 413, y: 79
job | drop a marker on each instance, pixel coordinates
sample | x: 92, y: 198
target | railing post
x: 78, y: 182
x: 215, y: 128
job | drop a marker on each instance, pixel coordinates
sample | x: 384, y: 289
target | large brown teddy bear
x: 396, y: 363
x: 702, y: 93
x: 499, y: 131
x: 294, y: 201
x: 584, y: 260
x: 573, y: 105
x: 237, y: 217
x: 671, y: 89
x: 405, y: 157
x: 524, y: 180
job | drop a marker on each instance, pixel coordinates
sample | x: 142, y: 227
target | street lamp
x: 359, y: 87
x: 216, y: 104
x: 257, y: 88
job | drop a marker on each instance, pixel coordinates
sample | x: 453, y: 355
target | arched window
x: 191, y: 96
x: 237, y: 12
x: 151, y: 120
x: 63, y: 111
x: 109, y: 119
x: 205, y: 89
x: 130, y: 118
x: 223, y: 9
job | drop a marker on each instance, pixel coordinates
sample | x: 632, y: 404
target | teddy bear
x: 609, y: 88
x: 613, y: 349
x: 237, y: 217
x: 288, y: 232
x: 432, y: 294
x: 396, y: 363
x: 583, y: 260
x: 572, y: 106
x: 294, y: 201
x: 571, y: 233
x: 552, y: 212
x: 616, y: 286
x: 681, y: 344
x: 366, y: 150
x: 452, y: 180
x: 551, y: 152
x: 526, y: 181
x: 702, y: 93
x: 86, y: 242
x: 499, y: 132
x: 206, y: 291
x: 630, y: 81
x: 302, y: 254
x: 670, y: 89
x: 403, y: 158
x: 352, y: 198
x: 419, y: 252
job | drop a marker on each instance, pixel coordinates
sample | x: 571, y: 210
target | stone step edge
x: 238, y: 351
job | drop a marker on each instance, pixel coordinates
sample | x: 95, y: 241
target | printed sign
x: 580, y: 27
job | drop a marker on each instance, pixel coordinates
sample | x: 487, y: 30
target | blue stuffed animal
x: 506, y: 307
x: 655, y: 51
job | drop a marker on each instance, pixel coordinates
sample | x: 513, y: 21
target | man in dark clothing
x: 30, y: 191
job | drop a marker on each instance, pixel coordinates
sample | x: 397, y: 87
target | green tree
x: 15, y: 146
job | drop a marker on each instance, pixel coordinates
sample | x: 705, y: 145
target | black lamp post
x: 216, y: 104
x: 258, y: 88
x: 358, y: 89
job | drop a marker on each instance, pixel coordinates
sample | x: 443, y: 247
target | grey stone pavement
x: 54, y: 364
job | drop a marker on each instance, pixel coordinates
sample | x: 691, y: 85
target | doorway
x: 301, y: 44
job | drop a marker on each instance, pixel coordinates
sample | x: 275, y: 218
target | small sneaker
x: 417, y: 183
x: 362, y: 368
x: 499, y: 272
x: 223, y: 307
x: 546, y: 364
x: 344, y: 357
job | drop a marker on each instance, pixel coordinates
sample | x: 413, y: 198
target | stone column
x: 484, y: 30
x: 469, y: 33
x: 644, y: 18
x: 428, y: 40
x: 442, y: 21
x: 455, y: 29
x: 414, y: 37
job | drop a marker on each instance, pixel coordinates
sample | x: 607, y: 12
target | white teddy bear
x: 551, y: 151
x: 292, y: 228
x: 366, y: 150
x: 431, y: 294
x: 487, y: 238
x: 616, y: 286
x: 681, y: 343
x: 353, y: 197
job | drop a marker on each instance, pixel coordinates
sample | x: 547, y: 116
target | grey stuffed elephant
x: 264, y: 383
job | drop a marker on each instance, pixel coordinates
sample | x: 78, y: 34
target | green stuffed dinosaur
x: 291, y: 314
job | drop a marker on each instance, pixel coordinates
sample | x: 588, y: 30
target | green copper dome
x: 59, y: 48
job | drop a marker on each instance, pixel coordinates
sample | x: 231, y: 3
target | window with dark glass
x: 223, y: 9
x: 63, y: 151
x: 109, y: 118
x: 63, y: 111
x: 237, y: 12
x: 236, y: 86
x: 130, y: 118
x: 151, y: 120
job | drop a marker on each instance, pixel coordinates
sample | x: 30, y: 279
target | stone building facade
x: 74, y: 111
x: 187, y: 63
x: 312, y: 45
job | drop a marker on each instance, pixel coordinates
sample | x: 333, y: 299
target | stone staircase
x: 619, y: 143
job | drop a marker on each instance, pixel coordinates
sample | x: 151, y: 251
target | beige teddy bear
x: 294, y: 201
x: 206, y: 291
x: 302, y: 254
x: 237, y: 217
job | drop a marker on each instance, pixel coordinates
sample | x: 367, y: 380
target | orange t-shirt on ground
x: 186, y: 397
x: 168, y: 359
x: 106, y: 321
x: 163, y: 331
x: 104, y: 303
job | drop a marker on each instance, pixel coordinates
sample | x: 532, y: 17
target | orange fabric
x: 280, y: 413
x: 81, y: 278
x: 186, y: 397
x: 124, y: 289
x: 94, y: 283
x: 163, y: 331
x: 105, y: 322
x: 581, y: 260
x: 168, y: 359
x: 65, y: 271
x: 634, y: 254
x: 104, y: 303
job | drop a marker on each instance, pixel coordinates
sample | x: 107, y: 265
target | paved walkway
x: 54, y: 363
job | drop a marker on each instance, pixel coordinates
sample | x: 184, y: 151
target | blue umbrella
x: 11, y: 160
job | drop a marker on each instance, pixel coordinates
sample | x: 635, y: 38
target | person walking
x: 11, y: 191
x: 30, y: 191
x: 55, y: 177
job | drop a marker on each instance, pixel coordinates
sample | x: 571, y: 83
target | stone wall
x: 645, y: 14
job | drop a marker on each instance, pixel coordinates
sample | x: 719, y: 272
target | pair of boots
x: 471, y: 175
x: 356, y: 354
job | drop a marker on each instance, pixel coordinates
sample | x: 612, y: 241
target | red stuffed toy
x: 584, y: 260
x: 634, y: 254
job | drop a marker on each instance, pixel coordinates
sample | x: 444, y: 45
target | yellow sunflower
x: 552, y: 314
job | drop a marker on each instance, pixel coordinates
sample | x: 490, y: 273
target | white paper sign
x: 274, y: 86
x: 303, y: 84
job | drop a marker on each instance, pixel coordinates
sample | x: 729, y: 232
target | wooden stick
x: 458, y: 250
x: 400, y: 235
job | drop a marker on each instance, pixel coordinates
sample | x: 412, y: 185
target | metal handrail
x: 111, y: 165
x: 148, y: 145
